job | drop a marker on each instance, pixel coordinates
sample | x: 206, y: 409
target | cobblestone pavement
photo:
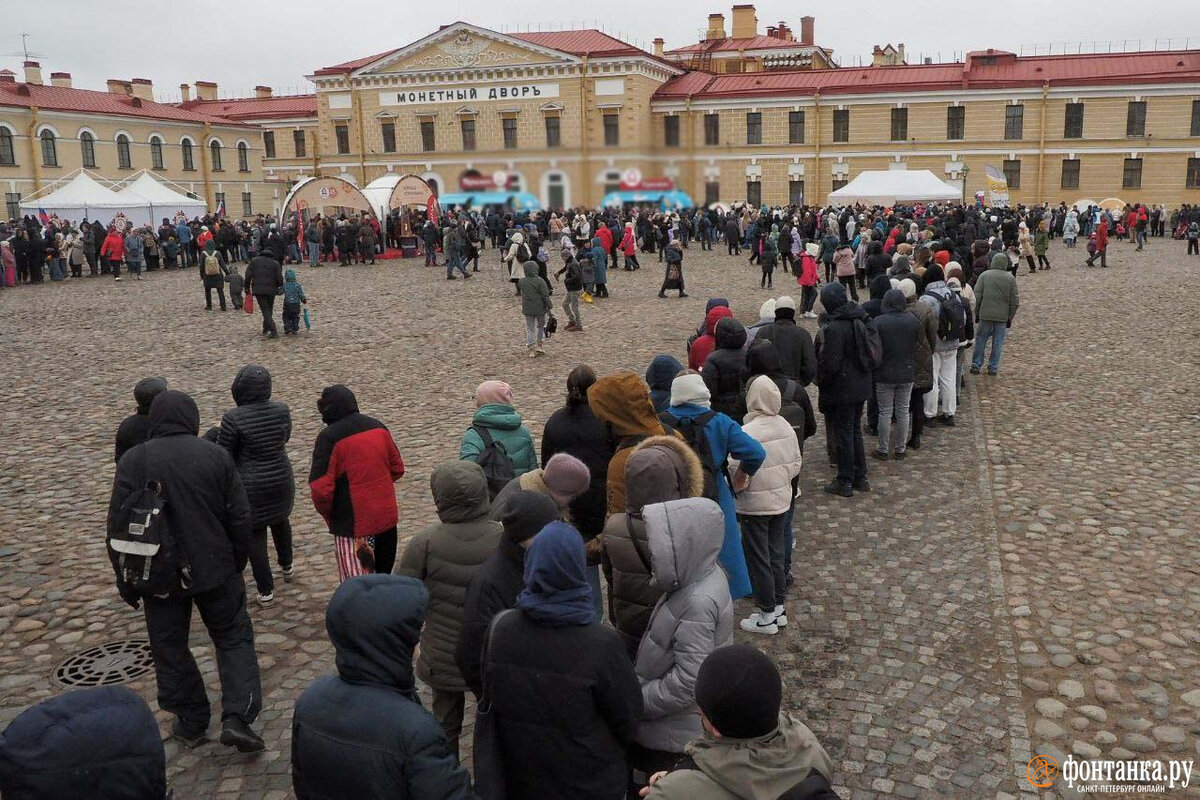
x: 1021, y: 585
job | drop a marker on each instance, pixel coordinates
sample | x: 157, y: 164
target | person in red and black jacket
x: 355, y: 462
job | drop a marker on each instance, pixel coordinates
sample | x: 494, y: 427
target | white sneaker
x: 780, y: 617
x: 266, y: 600
x: 758, y: 622
x: 289, y: 573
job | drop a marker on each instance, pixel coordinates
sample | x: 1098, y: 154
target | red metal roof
x: 759, y: 42
x: 358, y: 63
x: 87, y: 101
x: 253, y: 108
x: 1008, y: 72
x: 587, y: 41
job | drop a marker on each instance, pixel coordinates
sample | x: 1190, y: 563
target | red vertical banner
x: 432, y: 211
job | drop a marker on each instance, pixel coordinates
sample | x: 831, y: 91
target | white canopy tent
x: 379, y: 192
x: 84, y: 196
x: 888, y: 187
x: 160, y: 200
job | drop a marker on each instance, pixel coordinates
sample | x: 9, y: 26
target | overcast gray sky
x: 240, y: 44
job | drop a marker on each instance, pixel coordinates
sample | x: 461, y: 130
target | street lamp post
x: 966, y: 170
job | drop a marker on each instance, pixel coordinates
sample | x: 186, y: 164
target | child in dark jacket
x: 293, y: 297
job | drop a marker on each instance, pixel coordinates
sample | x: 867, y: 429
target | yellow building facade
x: 49, y: 130
x: 565, y: 114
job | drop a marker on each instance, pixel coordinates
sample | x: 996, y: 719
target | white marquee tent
x: 888, y: 187
x: 157, y: 200
x: 83, y: 196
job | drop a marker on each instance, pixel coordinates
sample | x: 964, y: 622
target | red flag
x: 432, y: 211
x: 300, y: 230
x: 43, y: 216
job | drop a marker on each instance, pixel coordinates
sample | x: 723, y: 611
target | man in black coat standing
x: 209, y: 519
x: 363, y: 733
x: 264, y: 280
x: 794, y: 343
x: 844, y: 367
x: 135, y: 428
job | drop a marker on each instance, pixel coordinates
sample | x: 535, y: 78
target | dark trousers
x: 916, y: 405
x: 266, y: 304
x: 808, y: 298
x: 291, y: 317
x: 260, y: 559
x: 852, y: 460
x: 848, y: 282
x: 1193, y: 247
x: 764, y: 542
x: 734, y: 250
x: 92, y: 260
x: 385, y: 551
x: 180, y: 686
x: 208, y: 290
x: 1100, y: 254
x: 448, y: 708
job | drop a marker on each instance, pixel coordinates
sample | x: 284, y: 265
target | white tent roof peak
x: 887, y: 187
x: 82, y: 191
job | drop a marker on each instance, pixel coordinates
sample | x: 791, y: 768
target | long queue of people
x: 678, y: 487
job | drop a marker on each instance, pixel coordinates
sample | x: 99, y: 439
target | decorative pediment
x: 464, y: 46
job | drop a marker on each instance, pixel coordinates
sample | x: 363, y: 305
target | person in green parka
x: 1041, y: 243
x: 535, y: 305
x: 495, y: 413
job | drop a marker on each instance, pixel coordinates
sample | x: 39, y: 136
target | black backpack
x: 147, y: 558
x: 952, y: 321
x: 692, y: 431
x: 797, y: 413
x: 495, y: 462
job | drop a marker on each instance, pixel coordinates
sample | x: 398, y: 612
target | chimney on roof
x: 806, y: 29
x: 117, y: 86
x: 900, y: 58
x: 7, y: 76
x: 33, y: 73
x: 658, y: 46
x: 784, y: 32
x: 745, y: 23
x: 206, y: 90
x: 185, y: 92
x: 716, y: 28
x: 62, y: 79
x: 262, y: 92
x: 143, y: 88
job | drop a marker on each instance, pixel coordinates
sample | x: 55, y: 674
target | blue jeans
x: 996, y: 331
x: 454, y: 261
x: 314, y: 253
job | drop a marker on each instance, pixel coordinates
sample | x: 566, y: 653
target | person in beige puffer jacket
x: 762, y: 507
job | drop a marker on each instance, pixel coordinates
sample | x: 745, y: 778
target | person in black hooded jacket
x: 878, y: 287
x: 135, y: 428
x: 362, y: 734
x: 844, y: 377
x: 724, y: 370
x: 794, y: 343
x: 101, y: 743
x: 500, y: 579
x: 256, y: 434
x: 877, y: 262
x: 209, y: 518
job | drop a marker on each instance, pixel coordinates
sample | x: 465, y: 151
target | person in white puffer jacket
x: 762, y: 506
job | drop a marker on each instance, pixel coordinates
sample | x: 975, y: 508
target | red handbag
x: 248, y: 304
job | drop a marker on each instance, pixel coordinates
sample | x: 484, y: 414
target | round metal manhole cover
x: 106, y: 664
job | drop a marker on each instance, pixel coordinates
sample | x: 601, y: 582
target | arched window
x: 124, y: 159
x: 243, y: 157
x: 49, y: 149
x: 87, y: 149
x: 188, y: 162
x: 215, y: 149
x: 156, y: 153
x: 8, y: 156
